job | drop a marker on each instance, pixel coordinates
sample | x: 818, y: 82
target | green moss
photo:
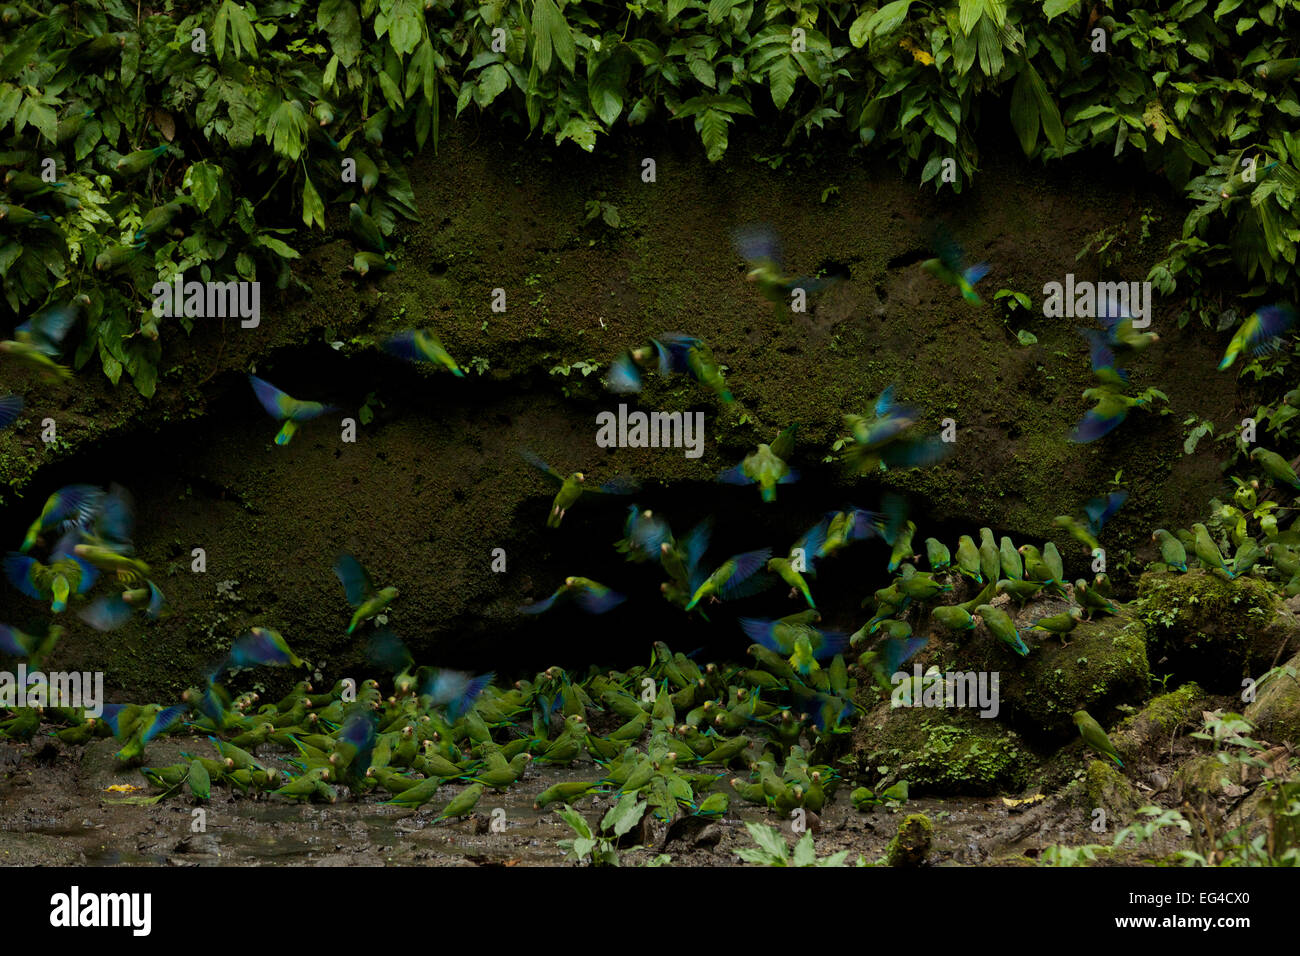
x: 1276, y: 711
x: 1104, y: 665
x: 944, y: 752
x: 911, y: 843
x: 1212, y: 630
x: 1105, y: 786
x: 1166, y: 713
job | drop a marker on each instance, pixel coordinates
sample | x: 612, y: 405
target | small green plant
x: 607, y: 212
x: 366, y: 414
x: 601, y: 849
x: 478, y: 364
x: 1200, y: 428
x: 773, y: 851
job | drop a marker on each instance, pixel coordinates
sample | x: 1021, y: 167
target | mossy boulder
x: 911, y: 843
x: 942, y: 751
x: 1202, y: 776
x: 1105, y: 787
x: 1152, y: 727
x: 1104, y: 665
x: 1275, y: 712
x: 1205, y: 628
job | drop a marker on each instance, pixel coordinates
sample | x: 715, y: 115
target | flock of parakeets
x: 670, y: 731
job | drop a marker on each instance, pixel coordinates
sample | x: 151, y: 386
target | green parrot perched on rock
x: 1002, y: 627
x: 1095, y: 737
x: 1172, y: 552
x: 968, y: 559
x: 1012, y: 566
x: 1207, y: 552
x: 572, y: 488
x: 282, y: 407
x: 366, y: 600
x: 1059, y: 624
x: 766, y: 467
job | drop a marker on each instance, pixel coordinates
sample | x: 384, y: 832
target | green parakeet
x: 282, y: 407
x: 572, y: 488
x: 1095, y: 737
x: 1278, y: 468
x: 1207, y: 552
x: 367, y: 600
x: 421, y: 345
x: 1002, y: 627
x: 766, y: 467
x: 1172, y: 551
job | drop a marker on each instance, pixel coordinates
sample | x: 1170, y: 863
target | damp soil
x: 56, y: 809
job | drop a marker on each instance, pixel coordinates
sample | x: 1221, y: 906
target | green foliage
x: 601, y: 848
x: 1274, y: 843
x: 772, y: 850
x: 256, y: 121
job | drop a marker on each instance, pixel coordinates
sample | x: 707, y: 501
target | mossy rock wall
x: 435, y: 482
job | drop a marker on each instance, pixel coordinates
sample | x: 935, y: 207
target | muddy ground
x: 56, y: 809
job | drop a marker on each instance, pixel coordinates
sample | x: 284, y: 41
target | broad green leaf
x: 575, y: 820
x: 712, y: 125
x: 720, y: 9
x: 781, y: 76
x: 1053, y: 129
x: 1024, y: 112
x: 605, y: 85
x: 286, y: 130
x: 881, y: 23
x: 492, y: 82
x: 313, y: 208
x: 805, y: 854
x: 201, y: 181
x: 339, y: 20
x: 580, y: 130
x: 624, y: 815
x: 1054, y: 8
x: 405, y: 25
x: 551, y: 34
x: 769, y: 839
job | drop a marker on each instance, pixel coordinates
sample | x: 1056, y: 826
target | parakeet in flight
x: 421, y: 345
x: 766, y: 467
x: 282, y: 407
x: 572, y: 488
x: 1260, y: 334
x: 367, y: 600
